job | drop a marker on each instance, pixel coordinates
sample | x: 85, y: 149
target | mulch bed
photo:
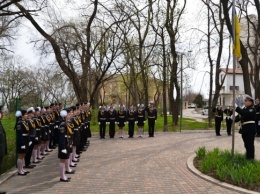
x: 197, y: 162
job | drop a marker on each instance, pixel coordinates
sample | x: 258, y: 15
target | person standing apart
x: 257, y: 118
x: 228, y: 111
x: 152, y: 117
x: 218, y: 119
x: 102, y: 119
x: 121, y: 118
x: 131, y: 117
x: 112, y: 119
x: 140, y: 119
x: 248, y: 128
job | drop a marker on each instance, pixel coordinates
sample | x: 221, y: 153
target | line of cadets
x: 109, y: 116
x: 41, y: 129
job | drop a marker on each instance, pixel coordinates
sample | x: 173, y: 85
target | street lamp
x: 181, y: 96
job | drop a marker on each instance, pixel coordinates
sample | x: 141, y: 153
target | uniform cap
x: 63, y: 113
x: 30, y: 110
x: 249, y: 98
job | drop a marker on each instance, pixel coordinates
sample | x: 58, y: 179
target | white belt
x: 248, y: 122
x: 218, y: 116
x: 25, y: 134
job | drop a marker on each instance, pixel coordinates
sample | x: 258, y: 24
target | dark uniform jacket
x: 131, y: 115
x: 112, y: 115
x: 102, y: 116
x: 218, y: 113
x: 247, y: 118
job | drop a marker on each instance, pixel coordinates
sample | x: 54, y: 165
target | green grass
x: 9, y: 122
x: 236, y: 170
x: 9, y: 160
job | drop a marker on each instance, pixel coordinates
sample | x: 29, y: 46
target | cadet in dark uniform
x: 112, y: 119
x: 228, y: 111
x: 248, y: 128
x: 152, y: 117
x: 218, y: 119
x: 88, y: 119
x: 32, y: 134
x: 131, y: 117
x: 140, y: 119
x: 257, y: 119
x: 102, y: 119
x: 3, y: 145
x: 64, y: 147
x: 121, y: 118
x: 38, y: 125
x: 23, y: 139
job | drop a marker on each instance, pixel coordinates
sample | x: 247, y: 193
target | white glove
x: 49, y: 131
x: 144, y: 121
x: 236, y: 105
x: 30, y: 143
x: 23, y: 147
x: 155, y: 121
x: 64, y: 151
x: 36, y: 138
x: 136, y: 122
x: 107, y: 123
x: 126, y: 122
x: 99, y: 123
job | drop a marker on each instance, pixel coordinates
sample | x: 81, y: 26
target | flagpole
x: 234, y: 84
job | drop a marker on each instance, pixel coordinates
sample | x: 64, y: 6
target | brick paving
x: 147, y: 165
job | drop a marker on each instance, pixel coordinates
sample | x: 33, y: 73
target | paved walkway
x: 148, y: 165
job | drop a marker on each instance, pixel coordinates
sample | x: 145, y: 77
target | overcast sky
x: 199, y: 79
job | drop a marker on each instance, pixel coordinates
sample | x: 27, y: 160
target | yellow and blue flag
x: 236, y: 33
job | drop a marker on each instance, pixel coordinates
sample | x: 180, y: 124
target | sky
x: 199, y: 78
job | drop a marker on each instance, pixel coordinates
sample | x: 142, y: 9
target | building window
x: 236, y: 87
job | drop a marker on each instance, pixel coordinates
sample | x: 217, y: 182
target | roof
x: 230, y: 71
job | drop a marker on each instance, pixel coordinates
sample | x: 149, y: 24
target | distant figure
x: 152, y: 117
x: 112, y: 119
x: 121, y: 119
x: 248, y: 128
x: 228, y: 111
x: 218, y: 118
x: 131, y: 118
x: 140, y: 119
x: 102, y: 119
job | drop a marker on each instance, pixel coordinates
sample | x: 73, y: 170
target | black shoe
x: 20, y: 174
x: 48, y: 150
x: 77, y: 156
x: 27, y: 172
x: 30, y: 166
x: 37, y: 162
x: 53, y: 147
x: 40, y: 158
x: 72, y: 172
x: 2, y: 192
x: 44, y: 154
x: 218, y: 135
x: 75, y: 160
x: 73, y: 165
x: 64, y: 180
